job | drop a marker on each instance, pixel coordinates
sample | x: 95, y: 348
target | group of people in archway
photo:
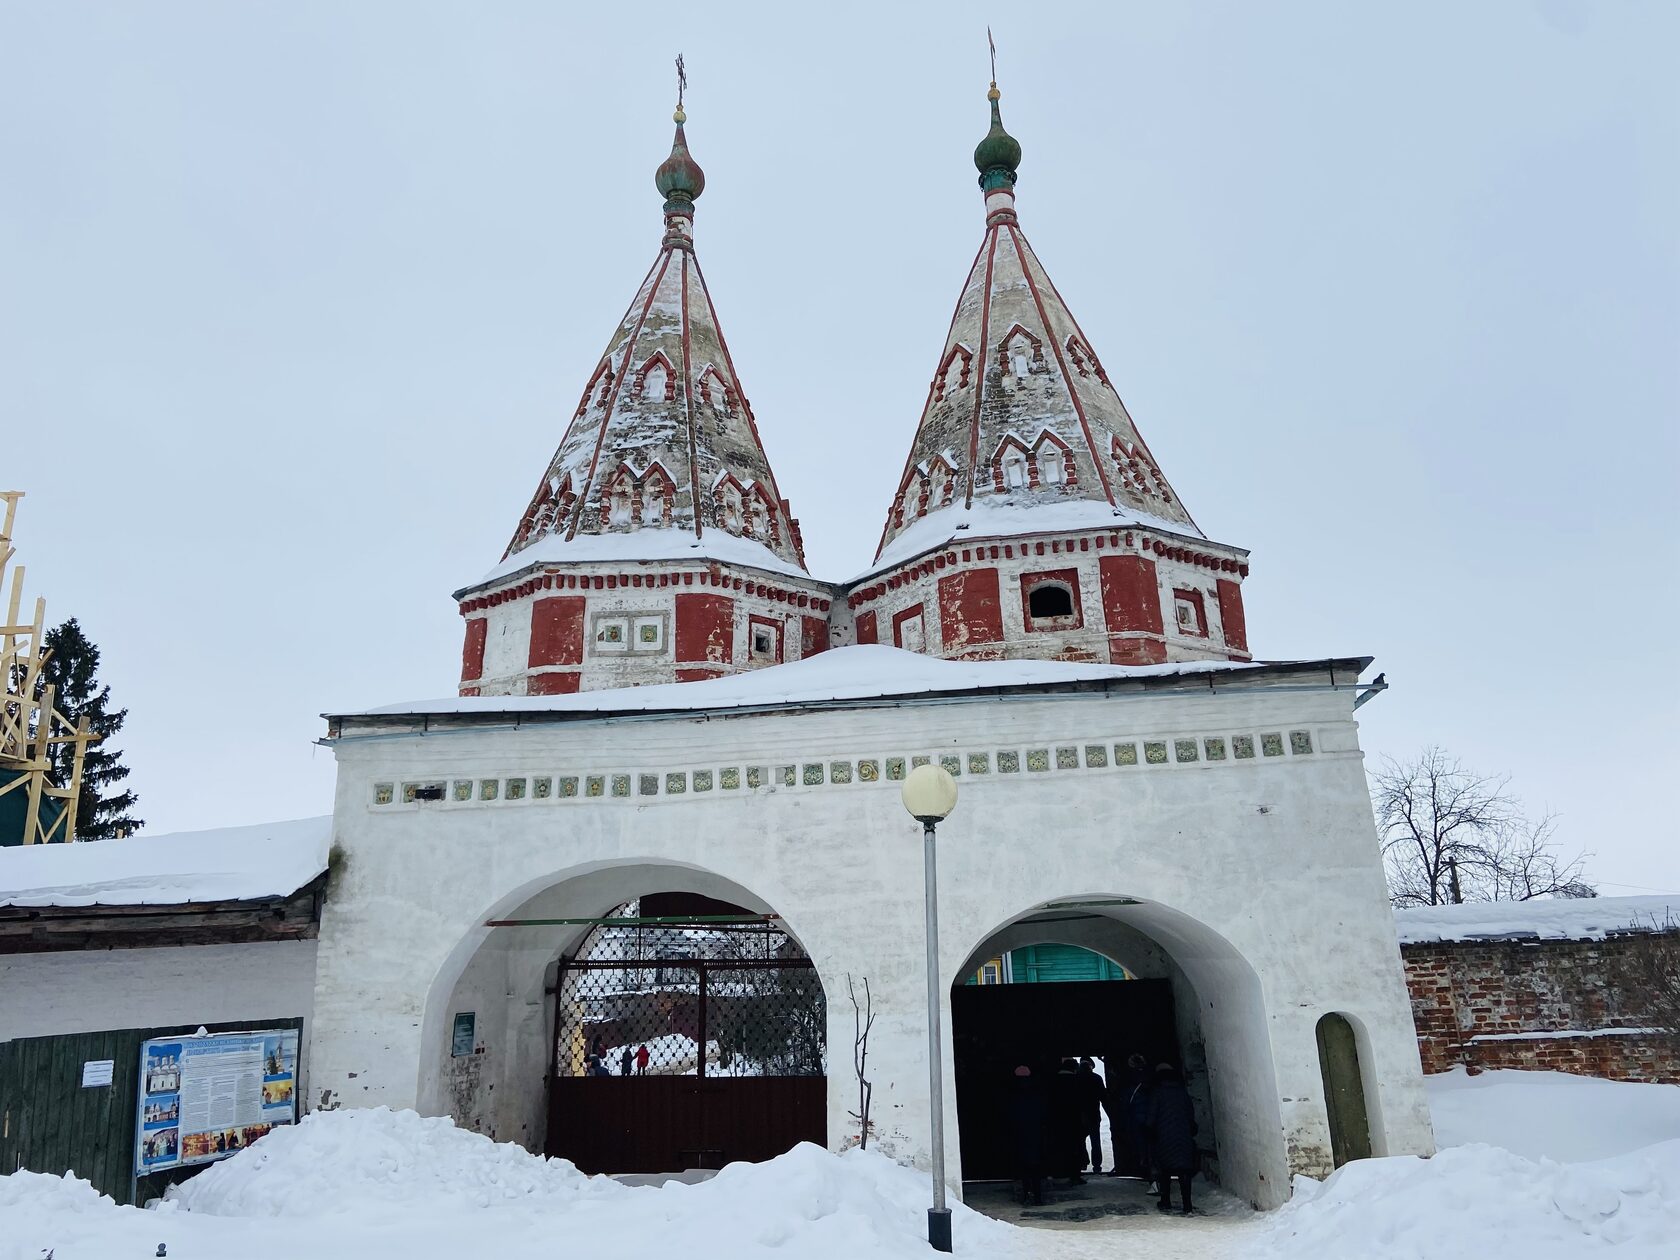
x: 1055, y: 1123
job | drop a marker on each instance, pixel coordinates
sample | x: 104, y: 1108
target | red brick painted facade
x: 472, y: 651
x: 970, y: 615
x: 705, y: 632
x: 1465, y: 992
x: 557, y: 631
x: 1132, y: 608
x: 1231, y: 615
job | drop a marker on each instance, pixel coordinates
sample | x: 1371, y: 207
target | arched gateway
x: 657, y: 697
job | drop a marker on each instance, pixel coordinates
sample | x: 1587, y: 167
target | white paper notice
x: 97, y: 1072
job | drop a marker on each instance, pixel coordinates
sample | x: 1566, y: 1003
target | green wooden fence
x: 51, y: 1123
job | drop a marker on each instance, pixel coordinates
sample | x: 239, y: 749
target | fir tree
x: 102, y: 809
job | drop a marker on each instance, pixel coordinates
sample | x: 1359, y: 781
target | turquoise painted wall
x: 1048, y: 964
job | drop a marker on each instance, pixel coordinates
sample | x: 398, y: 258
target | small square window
x: 1190, y: 613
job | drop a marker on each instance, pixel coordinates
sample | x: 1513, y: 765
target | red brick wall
x: 472, y: 650
x: 1231, y: 615
x: 705, y: 629
x: 970, y: 616
x: 1465, y: 989
x: 1132, y: 607
x: 557, y: 631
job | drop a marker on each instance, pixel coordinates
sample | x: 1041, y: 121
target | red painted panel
x: 970, y: 611
x: 472, y: 651
x: 1131, y: 600
x: 557, y: 631
x: 706, y: 628
x: 1132, y: 610
x: 866, y: 628
x: 699, y: 675
x: 1231, y: 613
x: 911, y: 613
x: 556, y: 684
x: 813, y: 636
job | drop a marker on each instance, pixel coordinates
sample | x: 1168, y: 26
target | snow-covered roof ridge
x: 637, y: 546
x: 1559, y: 919
x: 858, y: 673
x: 227, y: 864
x: 1001, y: 518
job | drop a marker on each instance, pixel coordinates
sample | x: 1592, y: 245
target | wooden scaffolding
x: 31, y: 727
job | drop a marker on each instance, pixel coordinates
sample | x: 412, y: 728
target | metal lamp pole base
x: 939, y: 1229
x: 939, y: 1216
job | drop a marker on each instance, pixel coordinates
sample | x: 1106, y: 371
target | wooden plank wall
x: 49, y: 1123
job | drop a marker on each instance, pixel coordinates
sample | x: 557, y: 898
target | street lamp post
x: 930, y: 794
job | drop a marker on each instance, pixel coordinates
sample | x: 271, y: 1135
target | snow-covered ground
x: 1584, y: 1168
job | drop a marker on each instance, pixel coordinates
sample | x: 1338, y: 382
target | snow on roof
x: 629, y: 546
x: 990, y: 517
x: 228, y: 864
x: 1556, y: 919
x: 861, y: 672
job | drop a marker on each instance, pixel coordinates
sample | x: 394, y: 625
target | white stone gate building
x: 657, y: 697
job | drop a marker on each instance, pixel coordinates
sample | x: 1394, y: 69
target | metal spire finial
x: 992, y: 45
x: 682, y: 86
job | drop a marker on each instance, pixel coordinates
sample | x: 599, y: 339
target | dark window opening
x: 1050, y: 599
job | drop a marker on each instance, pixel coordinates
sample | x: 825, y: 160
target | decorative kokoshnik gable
x: 656, y: 547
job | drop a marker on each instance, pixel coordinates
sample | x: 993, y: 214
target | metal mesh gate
x: 686, y: 1045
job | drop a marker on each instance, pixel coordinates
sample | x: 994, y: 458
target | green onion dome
x: 679, y: 177
x: 999, y: 154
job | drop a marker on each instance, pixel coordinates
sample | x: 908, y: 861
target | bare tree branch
x: 1437, y: 819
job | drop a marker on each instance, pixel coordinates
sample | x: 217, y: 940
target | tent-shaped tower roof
x: 662, y: 457
x: 1022, y: 429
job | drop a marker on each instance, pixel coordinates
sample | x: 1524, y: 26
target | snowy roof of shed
x: 862, y: 672
x: 1553, y: 919
x: 227, y: 864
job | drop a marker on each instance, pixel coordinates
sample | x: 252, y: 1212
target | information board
x: 203, y: 1098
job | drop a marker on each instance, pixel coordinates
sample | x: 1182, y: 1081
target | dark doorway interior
x: 995, y: 1028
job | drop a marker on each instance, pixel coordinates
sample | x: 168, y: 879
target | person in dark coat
x: 1172, y: 1134
x: 1067, y: 1125
x: 1126, y: 1099
x: 1090, y: 1113
x: 1029, y: 1114
x: 626, y: 1061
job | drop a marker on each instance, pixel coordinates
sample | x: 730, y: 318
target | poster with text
x: 202, y: 1098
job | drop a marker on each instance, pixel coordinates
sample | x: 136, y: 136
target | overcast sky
x: 297, y: 299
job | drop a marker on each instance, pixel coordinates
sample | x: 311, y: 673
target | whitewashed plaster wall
x: 1259, y: 877
x: 93, y: 990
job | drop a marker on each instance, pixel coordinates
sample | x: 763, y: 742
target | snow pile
x: 43, y: 1193
x: 229, y: 864
x: 1556, y: 918
x: 1473, y: 1202
x: 859, y: 672
x: 1552, y: 1115
x: 344, y: 1161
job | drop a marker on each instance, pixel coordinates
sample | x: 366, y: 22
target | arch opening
x: 1188, y: 999
x: 631, y: 1017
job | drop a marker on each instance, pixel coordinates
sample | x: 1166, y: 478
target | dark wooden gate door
x: 667, y: 1064
x: 997, y: 1027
